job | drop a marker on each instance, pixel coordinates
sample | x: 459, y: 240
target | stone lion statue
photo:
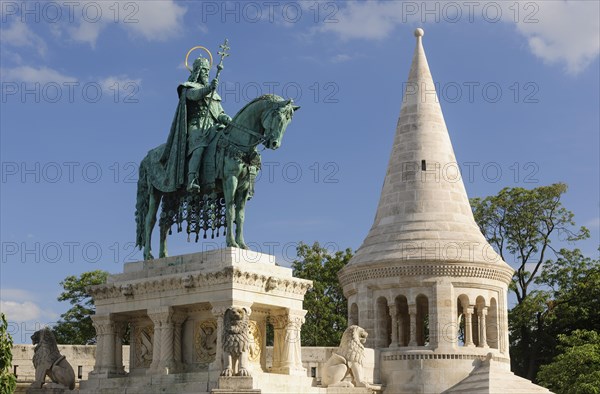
x: 48, y: 361
x: 348, y: 358
x: 236, y: 342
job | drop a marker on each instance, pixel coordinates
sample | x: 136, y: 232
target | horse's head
x: 275, y: 121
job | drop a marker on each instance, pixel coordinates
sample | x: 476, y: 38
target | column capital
x: 103, y: 324
x: 468, y: 310
x: 482, y: 311
x: 290, y: 318
x: 412, y: 309
x: 161, y: 315
x: 178, y: 317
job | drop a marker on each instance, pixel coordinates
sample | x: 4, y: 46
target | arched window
x: 422, y: 320
x: 353, y: 315
x: 463, y: 315
x: 384, y: 323
x: 403, y: 320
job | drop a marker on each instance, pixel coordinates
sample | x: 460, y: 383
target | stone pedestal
x: 234, y: 385
x: 50, y: 389
x: 174, y: 307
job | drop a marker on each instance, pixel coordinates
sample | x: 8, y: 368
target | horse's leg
x: 229, y: 186
x: 163, y: 242
x: 153, y: 203
x: 240, y: 213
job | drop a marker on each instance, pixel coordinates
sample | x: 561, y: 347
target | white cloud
x: 18, y: 34
x: 30, y: 74
x: 20, y: 311
x: 157, y: 20
x: 593, y: 223
x: 566, y: 32
x: 126, y: 85
x: 152, y: 20
x: 340, y: 58
x: 86, y: 32
x: 562, y: 32
x: 16, y: 294
x: 372, y: 20
x: 20, y: 305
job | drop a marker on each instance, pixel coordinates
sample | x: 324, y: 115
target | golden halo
x: 193, y: 49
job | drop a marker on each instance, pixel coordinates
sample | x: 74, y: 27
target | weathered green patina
x: 216, y: 153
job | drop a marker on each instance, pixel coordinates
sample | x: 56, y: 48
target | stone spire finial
x: 423, y: 212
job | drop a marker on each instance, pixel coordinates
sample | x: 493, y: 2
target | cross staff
x: 224, y: 54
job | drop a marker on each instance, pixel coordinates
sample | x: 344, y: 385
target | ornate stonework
x: 500, y: 273
x: 199, y: 280
x: 205, y: 341
x: 144, y: 339
x: 256, y: 342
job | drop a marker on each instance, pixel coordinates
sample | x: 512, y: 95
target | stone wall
x: 81, y: 358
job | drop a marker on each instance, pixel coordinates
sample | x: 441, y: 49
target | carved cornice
x: 189, y: 281
x: 366, y: 273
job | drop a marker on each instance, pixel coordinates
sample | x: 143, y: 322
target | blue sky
x: 89, y: 88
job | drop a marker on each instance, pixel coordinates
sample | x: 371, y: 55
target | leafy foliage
x: 576, y: 370
x: 75, y: 326
x: 525, y: 225
x: 327, y: 307
x: 8, y: 381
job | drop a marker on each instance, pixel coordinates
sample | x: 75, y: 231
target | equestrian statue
x: 205, y: 172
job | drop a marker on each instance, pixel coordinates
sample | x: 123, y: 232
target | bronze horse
x: 263, y: 120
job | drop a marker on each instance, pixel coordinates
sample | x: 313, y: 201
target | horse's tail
x: 141, y: 205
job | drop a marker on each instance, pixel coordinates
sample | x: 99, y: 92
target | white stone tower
x: 425, y: 283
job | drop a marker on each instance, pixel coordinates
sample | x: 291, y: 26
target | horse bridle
x: 261, y: 137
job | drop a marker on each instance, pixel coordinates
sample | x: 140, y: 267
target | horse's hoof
x: 232, y: 244
x: 149, y: 256
x: 242, y: 245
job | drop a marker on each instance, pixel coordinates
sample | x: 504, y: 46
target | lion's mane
x: 236, y: 339
x: 46, y: 351
x: 351, y: 347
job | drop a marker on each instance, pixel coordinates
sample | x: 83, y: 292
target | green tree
x: 522, y: 225
x: 327, y: 307
x: 576, y: 370
x: 572, y: 288
x: 8, y: 382
x: 75, y: 325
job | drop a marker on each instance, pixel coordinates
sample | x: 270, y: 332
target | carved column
x: 400, y: 329
x: 105, y: 344
x: 412, y: 318
x: 162, y: 352
x: 394, y: 317
x: 178, y: 319
x: 482, y: 313
x: 156, y: 342
x: 287, y: 358
x: 167, y: 362
x: 218, y: 313
x: 468, y: 312
x: 120, y: 328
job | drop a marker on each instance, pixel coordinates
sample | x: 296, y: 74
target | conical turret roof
x: 423, y: 213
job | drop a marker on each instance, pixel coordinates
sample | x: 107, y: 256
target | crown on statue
x: 201, y: 62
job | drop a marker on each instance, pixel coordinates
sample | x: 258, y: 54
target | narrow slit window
x: 79, y: 372
x: 15, y: 371
x: 423, y: 165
